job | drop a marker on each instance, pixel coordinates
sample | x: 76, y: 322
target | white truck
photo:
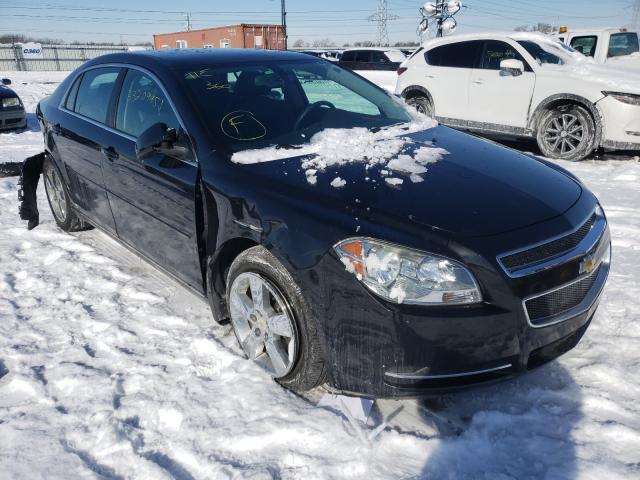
x: 618, y: 47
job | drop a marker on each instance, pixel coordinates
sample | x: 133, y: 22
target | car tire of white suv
x: 566, y: 132
x: 422, y: 104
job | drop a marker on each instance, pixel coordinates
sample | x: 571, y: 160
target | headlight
x: 404, y: 275
x: 10, y: 102
x: 628, y: 98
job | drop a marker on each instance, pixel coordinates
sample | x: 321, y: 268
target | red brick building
x: 234, y: 36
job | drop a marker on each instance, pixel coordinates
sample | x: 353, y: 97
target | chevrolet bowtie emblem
x: 588, y: 264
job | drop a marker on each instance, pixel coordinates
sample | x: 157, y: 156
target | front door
x: 153, y: 200
x: 497, y: 97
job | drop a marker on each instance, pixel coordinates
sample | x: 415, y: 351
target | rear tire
x: 59, y: 199
x: 567, y: 132
x: 303, y: 367
x: 422, y: 104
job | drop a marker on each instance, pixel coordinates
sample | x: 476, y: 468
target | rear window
x: 94, y: 93
x: 623, y: 44
x: 455, y: 55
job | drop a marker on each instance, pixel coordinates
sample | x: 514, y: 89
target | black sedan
x: 12, y: 114
x: 347, y: 241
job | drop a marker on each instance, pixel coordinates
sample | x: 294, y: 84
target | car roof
x: 595, y: 31
x: 514, y: 36
x: 378, y: 49
x: 187, y: 57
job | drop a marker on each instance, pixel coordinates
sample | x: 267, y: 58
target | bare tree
x: 299, y: 44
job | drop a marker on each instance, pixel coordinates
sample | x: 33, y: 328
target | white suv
x: 525, y: 85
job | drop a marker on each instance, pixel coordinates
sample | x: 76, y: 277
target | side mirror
x: 6, y: 81
x: 512, y: 66
x: 158, y: 137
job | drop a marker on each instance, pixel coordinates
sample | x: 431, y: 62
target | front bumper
x: 10, y: 119
x: 381, y: 350
x: 621, y: 124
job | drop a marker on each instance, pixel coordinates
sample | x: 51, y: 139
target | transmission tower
x: 381, y: 17
x: 636, y: 15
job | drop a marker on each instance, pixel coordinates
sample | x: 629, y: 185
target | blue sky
x: 338, y: 20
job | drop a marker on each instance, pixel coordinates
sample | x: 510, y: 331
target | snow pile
x: 334, y: 147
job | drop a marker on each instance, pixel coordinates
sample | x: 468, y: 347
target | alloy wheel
x: 564, y: 134
x: 263, y: 323
x: 56, y: 194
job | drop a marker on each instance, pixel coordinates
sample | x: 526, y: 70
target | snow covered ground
x: 109, y: 369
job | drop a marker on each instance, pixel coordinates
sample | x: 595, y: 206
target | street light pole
x: 284, y: 23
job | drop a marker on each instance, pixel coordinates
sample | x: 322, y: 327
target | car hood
x: 615, y: 77
x: 477, y: 188
x: 6, y: 92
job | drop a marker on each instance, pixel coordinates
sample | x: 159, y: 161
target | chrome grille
x: 559, y: 301
x: 547, y: 251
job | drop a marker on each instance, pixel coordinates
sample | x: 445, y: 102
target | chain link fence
x: 54, y: 57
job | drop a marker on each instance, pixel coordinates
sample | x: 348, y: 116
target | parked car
x: 12, y: 114
x: 490, y: 264
x: 525, y: 85
x: 617, y: 47
x: 376, y: 64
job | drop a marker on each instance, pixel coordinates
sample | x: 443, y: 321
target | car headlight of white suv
x: 403, y: 275
x: 628, y: 98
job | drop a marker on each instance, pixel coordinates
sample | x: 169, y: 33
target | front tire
x: 567, y: 132
x: 59, y: 199
x: 272, y: 322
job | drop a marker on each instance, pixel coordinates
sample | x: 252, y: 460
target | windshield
x: 541, y: 55
x: 285, y: 102
x: 623, y: 44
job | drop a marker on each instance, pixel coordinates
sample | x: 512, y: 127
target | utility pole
x: 187, y: 17
x: 283, y: 9
x: 440, y: 8
x: 382, y: 17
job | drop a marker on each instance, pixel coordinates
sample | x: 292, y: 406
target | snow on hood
x: 339, y: 146
x: 626, y: 62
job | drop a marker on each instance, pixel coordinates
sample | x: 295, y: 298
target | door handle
x: 428, y: 75
x: 479, y: 82
x: 110, y: 153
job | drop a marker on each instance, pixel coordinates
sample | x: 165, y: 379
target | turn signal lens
x: 404, y: 275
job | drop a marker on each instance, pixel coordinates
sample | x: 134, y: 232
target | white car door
x: 498, y: 97
x: 445, y: 72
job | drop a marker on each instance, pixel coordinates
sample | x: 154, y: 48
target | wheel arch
x: 216, y: 267
x: 569, y: 99
x: 415, y: 91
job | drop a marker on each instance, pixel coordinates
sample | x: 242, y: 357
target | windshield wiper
x: 288, y: 146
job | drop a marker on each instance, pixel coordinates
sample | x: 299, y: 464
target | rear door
x: 497, y: 97
x: 79, y: 139
x: 446, y: 73
x: 153, y: 200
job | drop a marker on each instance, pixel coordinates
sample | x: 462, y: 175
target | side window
x: 378, y: 57
x: 94, y: 93
x: 341, y: 97
x: 142, y: 104
x: 348, y: 56
x: 363, y: 56
x: 454, y: 55
x: 495, y: 52
x: 585, y: 45
x: 70, y: 103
